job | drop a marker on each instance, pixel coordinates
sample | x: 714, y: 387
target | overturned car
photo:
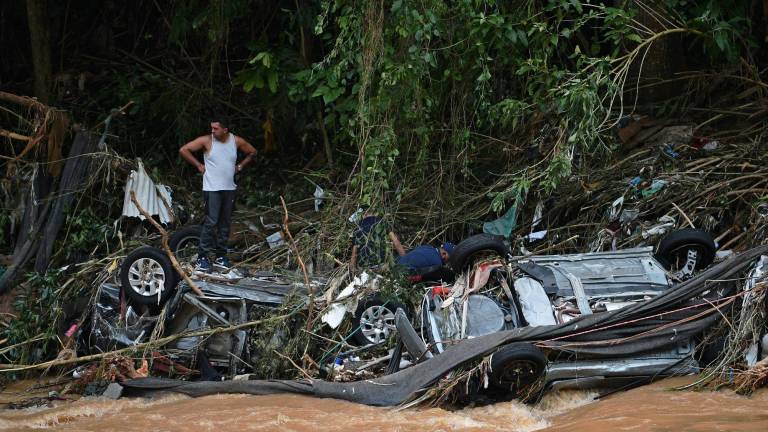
x: 555, y: 291
x: 533, y: 291
x: 632, y: 343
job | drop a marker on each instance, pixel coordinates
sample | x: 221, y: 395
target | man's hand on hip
x: 201, y: 168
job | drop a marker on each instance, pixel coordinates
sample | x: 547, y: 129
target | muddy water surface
x: 650, y: 408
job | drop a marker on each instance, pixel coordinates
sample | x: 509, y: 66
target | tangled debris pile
x: 510, y: 329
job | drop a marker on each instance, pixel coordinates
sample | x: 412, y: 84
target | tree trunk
x: 305, y: 47
x: 37, y: 17
x: 665, y: 57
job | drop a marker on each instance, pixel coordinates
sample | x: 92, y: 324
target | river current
x: 654, y: 407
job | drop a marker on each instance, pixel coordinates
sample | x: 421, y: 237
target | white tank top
x: 220, y: 163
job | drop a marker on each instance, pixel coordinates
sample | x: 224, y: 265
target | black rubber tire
x: 184, y: 236
x: 169, y: 274
x: 675, y: 245
x: 516, y: 367
x: 462, y: 256
x: 358, y: 338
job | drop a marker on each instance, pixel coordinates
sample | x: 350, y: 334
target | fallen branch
x: 23, y: 101
x: 305, y: 373
x: 685, y: 216
x: 13, y: 135
x: 295, y: 249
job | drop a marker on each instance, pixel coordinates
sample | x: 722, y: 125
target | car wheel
x: 184, y: 242
x: 374, y: 320
x: 516, y: 367
x: 147, y: 276
x: 476, y: 247
x: 686, y: 250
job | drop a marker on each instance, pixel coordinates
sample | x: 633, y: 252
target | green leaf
x: 577, y: 5
x: 721, y: 41
x: 320, y: 91
x: 272, y: 81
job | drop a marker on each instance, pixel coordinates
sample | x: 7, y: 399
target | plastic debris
x: 504, y: 225
x: 356, y: 216
x: 336, y: 311
x: 628, y: 215
x: 665, y: 224
x: 654, y: 188
x: 275, y: 240
x: 537, y: 215
x: 669, y: 150
x: 615, y: 208
x: 535, y: 236
x: 319, y: 197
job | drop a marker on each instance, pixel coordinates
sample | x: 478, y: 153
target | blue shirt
x: 421, y: 257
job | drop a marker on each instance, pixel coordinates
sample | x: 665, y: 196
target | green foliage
x: 724, y: 25
x: 37, y: 307
x: 85, y: 232
x: 212, y: 17
x: 402, y: 89
x: 262, y: 73
x: 516, y: 193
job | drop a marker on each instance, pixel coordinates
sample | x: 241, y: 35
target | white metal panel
x: 148, y: 195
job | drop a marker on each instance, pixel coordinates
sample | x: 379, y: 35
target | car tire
x: 516, y: 367
x: 185, y: 236
x: 374, y: 320
x: 674, y: 248
x: 468, y: 250
x: 147, y: 276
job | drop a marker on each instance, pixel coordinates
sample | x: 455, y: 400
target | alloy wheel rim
x: 377, y: 323
x: 146, y: 277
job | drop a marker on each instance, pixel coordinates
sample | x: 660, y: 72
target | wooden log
x: 75, y: 172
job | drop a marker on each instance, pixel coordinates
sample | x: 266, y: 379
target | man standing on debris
x: 218, y: 169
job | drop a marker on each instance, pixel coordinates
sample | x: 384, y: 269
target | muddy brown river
x: 650, y: 408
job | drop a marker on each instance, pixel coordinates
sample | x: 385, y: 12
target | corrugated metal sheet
x: 148, y: 194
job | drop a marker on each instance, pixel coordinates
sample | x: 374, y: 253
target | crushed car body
x: 542, y: 322
x: 682, y: 312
